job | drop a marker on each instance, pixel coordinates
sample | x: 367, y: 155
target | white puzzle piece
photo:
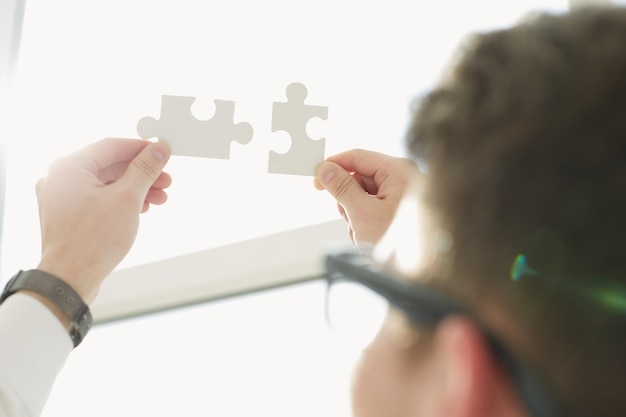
x: 188, y: 136
x: 292, y: 116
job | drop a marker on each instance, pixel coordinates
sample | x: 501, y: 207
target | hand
x: 368, y: 187
x: 89, y: 206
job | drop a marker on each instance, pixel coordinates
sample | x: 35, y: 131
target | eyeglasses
x: 424, y: 307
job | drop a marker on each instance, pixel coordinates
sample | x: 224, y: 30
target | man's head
x: 524, y: 141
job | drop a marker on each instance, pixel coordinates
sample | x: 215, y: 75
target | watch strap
x: 57, y: 291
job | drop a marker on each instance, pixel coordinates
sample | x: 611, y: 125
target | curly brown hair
x: 525, y: 146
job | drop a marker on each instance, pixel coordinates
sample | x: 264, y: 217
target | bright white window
x: 88, y: 70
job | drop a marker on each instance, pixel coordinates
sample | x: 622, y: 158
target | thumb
x: 340, y: 184
x: 146, y: 167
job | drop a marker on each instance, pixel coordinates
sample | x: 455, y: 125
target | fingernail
x: 161, y: 152
x: 326, y: 172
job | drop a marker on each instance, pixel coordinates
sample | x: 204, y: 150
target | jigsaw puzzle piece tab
x: 188, y: 136
x: 292, y: 116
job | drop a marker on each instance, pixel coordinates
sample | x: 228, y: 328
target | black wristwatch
x: 57, y: 291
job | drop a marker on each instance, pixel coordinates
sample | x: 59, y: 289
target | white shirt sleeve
x: 34, y: 346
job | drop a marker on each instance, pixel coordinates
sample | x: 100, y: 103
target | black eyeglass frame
x: 426, y: 308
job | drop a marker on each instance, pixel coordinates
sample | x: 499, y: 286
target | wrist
x: 72, y: 276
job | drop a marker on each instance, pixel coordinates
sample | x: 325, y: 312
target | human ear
x: 472, y: 383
